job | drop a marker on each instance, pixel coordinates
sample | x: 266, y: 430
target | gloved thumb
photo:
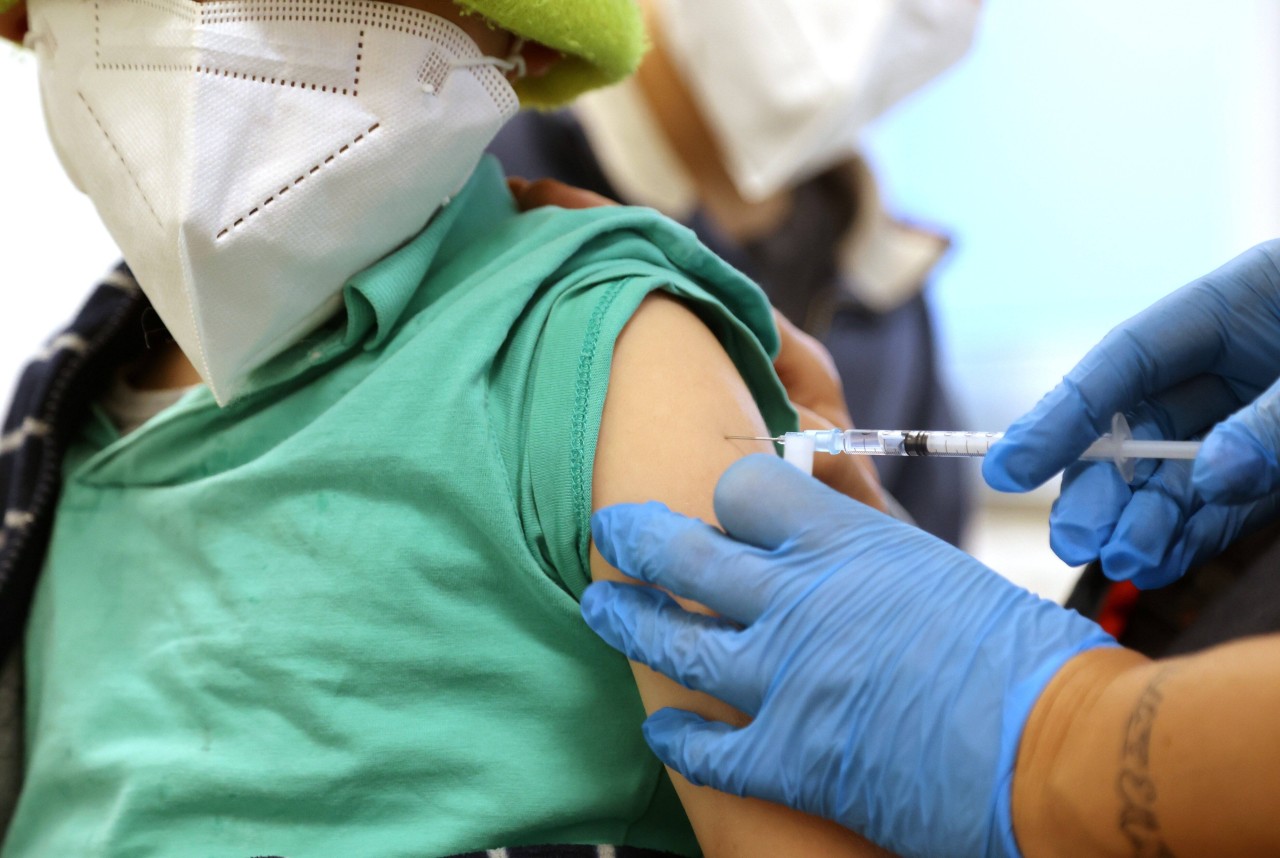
x: 1238, y: 462
x: 694, y: 747
x: 763, y: 501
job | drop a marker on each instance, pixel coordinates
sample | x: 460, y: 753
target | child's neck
x: 164, y: 368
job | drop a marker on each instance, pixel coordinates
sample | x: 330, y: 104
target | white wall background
x: 52, y: 245
x: 1088, y: 157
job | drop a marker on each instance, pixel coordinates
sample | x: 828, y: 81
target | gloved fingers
x: 1141, y: 547
x: 1178, y: 412
x: 699, y: 652
x: 1207, y: 533
x: 688, y: 557
x: 1239, y: 460
x: 1199, y: 329
x: 1042, y: 442
x: 1167, y: 528
x: 706, y: 753
x: 1073, y: 415
x: 1162, y: 347
x: 763, y: 501
x: 1093, y: 497
x: 1184, y: 410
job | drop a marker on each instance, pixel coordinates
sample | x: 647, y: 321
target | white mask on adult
x: 788, y: 85
x: 249, y: 157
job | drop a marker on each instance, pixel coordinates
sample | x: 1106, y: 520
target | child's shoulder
x: 492, y: 237
x: 557, y: 285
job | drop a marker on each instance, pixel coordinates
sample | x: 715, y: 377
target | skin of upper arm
x: 674, y: 395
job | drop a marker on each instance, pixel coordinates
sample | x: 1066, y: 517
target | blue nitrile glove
x: 1208, y: 352
x: 889, y: 674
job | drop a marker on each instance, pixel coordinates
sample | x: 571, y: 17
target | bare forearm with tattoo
x: 1138, y: 795
x: 1132, y: 758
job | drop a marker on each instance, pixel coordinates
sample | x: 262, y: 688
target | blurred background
x: 1087, y: 157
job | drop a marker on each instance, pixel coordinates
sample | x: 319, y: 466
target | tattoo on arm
x: 1137, y: 790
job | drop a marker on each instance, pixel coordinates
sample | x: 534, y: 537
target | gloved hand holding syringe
x: 1119, y: 446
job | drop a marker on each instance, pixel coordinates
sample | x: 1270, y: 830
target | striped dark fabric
x: 53, y: 393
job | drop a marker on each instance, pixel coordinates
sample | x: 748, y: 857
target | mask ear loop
x: 515, y: 60
x: 514, y: 63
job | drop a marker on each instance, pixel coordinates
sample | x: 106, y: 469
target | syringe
x: 1119, y: 446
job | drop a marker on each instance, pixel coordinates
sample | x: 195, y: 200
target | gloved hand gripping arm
x: 889, y: 674
x: 904, y: 690
x: 1209, y: 352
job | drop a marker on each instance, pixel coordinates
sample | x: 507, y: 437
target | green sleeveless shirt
x: 340, y: 617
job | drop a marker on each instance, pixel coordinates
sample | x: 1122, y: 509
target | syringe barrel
x: 894, y: 442
x: 868, y: 442
x: 953, y: 444
x: 826, y: 440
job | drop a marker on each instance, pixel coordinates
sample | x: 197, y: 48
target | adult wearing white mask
x: 743, y: 122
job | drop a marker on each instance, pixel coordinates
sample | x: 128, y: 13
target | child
x: 324, y: 602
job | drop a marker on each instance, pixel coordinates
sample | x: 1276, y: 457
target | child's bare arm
x: 673, y: 396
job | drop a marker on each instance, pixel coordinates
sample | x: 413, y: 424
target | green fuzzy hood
x: 602, y: 41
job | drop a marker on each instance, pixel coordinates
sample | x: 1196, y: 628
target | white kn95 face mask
x: 788, y: 85
x: 249, y: 156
